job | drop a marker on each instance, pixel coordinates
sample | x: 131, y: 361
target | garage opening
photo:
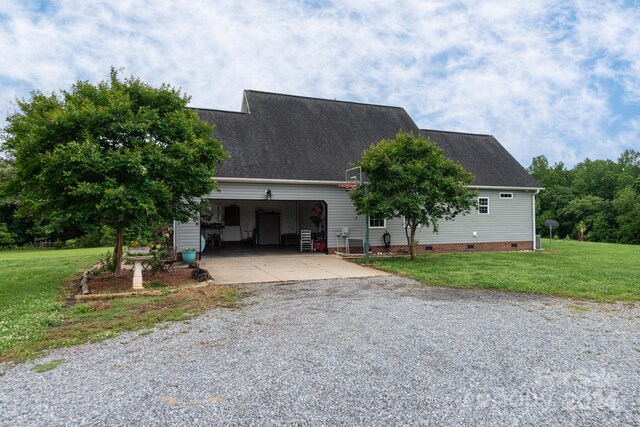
x: 250, y: 225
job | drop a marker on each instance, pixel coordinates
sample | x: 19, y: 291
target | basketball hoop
x: 348, y: 187
x: 352, y: 179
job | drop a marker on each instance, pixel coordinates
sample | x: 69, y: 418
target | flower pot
x: 140, y: 250
x: 188, y: 256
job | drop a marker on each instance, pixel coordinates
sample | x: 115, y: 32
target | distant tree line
x: 598, y: 200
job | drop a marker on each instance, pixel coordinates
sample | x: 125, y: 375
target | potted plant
x: 188, y: 255
x: 138, y: 247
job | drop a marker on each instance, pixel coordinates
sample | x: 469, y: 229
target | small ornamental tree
x: 6, y: 237
x: 409, y: 177
x: 581, y: 227
x: 119, y: 153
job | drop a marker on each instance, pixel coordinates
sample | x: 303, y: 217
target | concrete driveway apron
x: 282, y: 268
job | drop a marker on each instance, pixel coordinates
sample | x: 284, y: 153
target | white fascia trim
x: 276, y: 181
x: 498, y: 187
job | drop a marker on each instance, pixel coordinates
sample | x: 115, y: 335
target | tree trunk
x: 412, y: 245
x: 406, y: 233
x: 411, y: 238
x: 117, y: 251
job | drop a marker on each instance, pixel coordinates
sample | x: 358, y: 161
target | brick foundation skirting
x: 439, y: 248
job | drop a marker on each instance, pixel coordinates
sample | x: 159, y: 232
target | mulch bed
x: 106, y: 282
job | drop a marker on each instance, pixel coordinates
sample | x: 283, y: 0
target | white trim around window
x: 483, y: 206
x: 377, y: 222
x: 506, y: 196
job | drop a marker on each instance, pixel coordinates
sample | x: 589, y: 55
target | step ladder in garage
x: 306, y: 244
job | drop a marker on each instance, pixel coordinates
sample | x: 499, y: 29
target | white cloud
x: 534, y: 74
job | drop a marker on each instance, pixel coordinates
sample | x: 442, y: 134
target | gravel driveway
x: 373, y: 351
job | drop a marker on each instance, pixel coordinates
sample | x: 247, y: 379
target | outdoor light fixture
x: 268, y: 194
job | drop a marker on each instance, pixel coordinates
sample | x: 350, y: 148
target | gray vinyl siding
x: 509, y: 220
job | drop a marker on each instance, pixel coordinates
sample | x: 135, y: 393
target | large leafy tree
x: 120, y: 153
x: 596, y: 177
x: 409, y: 177
x: 627, y: 208
x: 583, y: 209
x: 629, y: 163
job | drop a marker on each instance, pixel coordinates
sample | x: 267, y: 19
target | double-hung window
x: 377, y: 222
x: 483, y: 205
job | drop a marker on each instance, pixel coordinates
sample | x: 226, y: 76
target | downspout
x: 533, y: 210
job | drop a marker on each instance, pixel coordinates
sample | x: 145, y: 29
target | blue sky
x: 559, y: 80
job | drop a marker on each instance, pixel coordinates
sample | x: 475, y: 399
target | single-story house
x: 288, y: 159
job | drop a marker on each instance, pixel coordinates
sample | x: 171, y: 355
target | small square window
x: 483, y: 205
x: 506, y: 195
x: 377, y: 222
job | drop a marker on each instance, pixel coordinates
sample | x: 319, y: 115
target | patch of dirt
x: 107, y: 283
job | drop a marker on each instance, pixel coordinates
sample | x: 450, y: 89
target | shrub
x: 6, y: 237
x: 89, y: 240
x: 98, y: 236
x: 108, y: 262
x: 72, y: 244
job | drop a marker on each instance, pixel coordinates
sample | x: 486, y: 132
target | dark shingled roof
x: 483, y: 156
x: 293, y: 137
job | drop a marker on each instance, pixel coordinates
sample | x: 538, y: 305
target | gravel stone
x: 373, y: 351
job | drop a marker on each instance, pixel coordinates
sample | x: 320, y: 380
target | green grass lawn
x: 596, y: 271
x: 30, y: 284
x: 33, y: 285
